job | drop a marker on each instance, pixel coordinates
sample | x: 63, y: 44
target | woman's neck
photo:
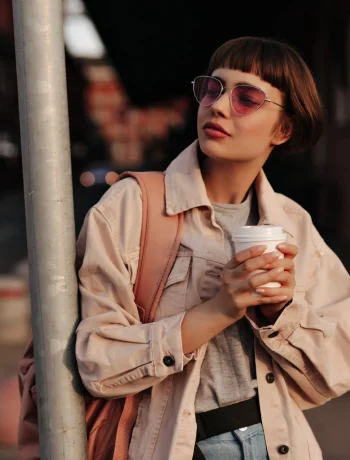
x: 228, y: 182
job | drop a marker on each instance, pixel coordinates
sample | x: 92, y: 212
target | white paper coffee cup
x: 255, y: 235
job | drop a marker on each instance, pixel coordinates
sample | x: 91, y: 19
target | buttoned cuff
x: 274, y: 334
x: 166, y: 346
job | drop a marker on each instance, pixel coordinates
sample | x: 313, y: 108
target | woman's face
x: 249, y: 138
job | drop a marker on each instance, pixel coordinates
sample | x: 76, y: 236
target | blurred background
x: 129, y: 71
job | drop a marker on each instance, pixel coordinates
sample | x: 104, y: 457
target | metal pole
x: 46, y: 160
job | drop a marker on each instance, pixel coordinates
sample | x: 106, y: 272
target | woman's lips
x: 210, y: 132
x: 215, y: 130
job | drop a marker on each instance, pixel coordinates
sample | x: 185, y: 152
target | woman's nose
x: 222, y: 106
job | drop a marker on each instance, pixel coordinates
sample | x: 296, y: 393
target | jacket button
x: 270, y: 378
x: 283, y: 450
x: 168, y: 361
x: 274, y: 334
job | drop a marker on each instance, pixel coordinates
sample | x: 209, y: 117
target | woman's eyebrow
x: 245, y: 83
x: 237, y: 83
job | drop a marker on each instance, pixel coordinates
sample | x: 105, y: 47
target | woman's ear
x: 283, y: 131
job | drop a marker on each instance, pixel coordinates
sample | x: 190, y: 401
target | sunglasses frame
x: 223, y: 88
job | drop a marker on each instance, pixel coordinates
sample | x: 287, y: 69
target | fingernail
x: 260, y: 290
x: 275, y: 254
x: 277, y: 270
x: 261, y: 247
x: 282, y: 245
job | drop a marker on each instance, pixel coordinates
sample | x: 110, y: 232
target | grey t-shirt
x: 228, y: 370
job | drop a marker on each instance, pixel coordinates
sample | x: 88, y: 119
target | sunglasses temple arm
x: 279, y: 105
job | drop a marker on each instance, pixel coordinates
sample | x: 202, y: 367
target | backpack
x: 109, y: 423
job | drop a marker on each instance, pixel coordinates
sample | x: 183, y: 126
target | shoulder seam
x: 104, y: 217
x: 112, y: 226
x: 114, y: 197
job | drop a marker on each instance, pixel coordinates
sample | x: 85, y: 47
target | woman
x: 224, y: 372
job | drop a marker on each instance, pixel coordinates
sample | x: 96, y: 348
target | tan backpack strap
x: 160, y: 240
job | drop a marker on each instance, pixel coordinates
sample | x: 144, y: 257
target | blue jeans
x: 236, y: 445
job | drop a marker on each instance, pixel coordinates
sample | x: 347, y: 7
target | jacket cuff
x: 272, y: 335
x: 166, y: 346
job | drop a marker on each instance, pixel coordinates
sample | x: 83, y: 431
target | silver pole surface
x: 47, y: 174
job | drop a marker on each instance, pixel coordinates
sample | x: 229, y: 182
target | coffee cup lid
x: 259, y: 232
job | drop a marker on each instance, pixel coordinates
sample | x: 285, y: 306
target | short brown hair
x: 282, y: 66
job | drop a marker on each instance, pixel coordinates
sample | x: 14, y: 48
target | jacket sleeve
x: 117, y: 355
x: 311, y: 340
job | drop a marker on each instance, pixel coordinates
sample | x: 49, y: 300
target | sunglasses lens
x: 247, y: 99
x: 206, y: 90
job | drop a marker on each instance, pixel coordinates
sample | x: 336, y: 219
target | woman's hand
x: 287, y: 279
x: 238, y: 292
x: 239, y: 284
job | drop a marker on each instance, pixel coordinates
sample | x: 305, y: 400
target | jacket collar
x: 185, y: 189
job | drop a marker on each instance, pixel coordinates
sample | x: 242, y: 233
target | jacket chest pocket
x: 210, y: 280
x: 173, y: 299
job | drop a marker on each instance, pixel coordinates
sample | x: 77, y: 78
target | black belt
x: 225, y: 419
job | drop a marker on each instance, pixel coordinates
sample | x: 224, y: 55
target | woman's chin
x: 212, y: 148
x: 219, y: 154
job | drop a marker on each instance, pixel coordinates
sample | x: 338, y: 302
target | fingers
x: 242, y: 256
x: 277, y: 274
x: 287, y: 264
x: 260, y: 262
x: 271, y: 292
x: 263, y: 300
x: 252, y: 259
x: 289, y: 250
x: 255, y: 281
x: 287, y: 279
x: 247, y: 300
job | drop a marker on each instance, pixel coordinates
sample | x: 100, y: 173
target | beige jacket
x: 306, y: 364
